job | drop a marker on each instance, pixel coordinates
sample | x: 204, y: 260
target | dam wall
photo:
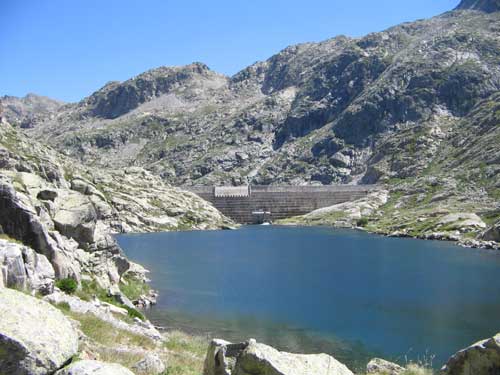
x: 255, y: 204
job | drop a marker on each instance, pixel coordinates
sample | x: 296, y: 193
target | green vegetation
x: 64, y: 307
x: 108, y: 335
x: 185, y: 353
x: 68, y: 285
x: 362, y: 222
x: 133, y: 288
x: 89, y: 289
x: 134, y: 313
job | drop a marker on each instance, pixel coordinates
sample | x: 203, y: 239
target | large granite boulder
x: 90, y: 367
x: 381, y: 366
x: 35, y: 337
x: 252, y: 358
x: 22, y: 268
x: 482, y: 358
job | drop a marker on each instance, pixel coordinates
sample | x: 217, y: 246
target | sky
x: 67, y: 49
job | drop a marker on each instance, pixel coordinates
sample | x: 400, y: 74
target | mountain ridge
x: 482, y: 5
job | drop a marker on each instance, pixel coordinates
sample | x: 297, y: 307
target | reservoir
x: 348, y: 293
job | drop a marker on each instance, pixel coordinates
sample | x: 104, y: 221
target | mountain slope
x: 314, y: 113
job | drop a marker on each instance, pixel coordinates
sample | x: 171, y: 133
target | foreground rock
x: 381, y: 366
x: 252, y: 358
x: 482, y: 358
x: 89, y: 367
x: 35, y: 338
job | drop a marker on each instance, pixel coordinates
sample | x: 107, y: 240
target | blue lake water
x: 348, y: 293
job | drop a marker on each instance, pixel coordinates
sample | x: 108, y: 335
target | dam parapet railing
x: 244, y: 204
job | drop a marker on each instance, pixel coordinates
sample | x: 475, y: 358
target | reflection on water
x: 347, y: 293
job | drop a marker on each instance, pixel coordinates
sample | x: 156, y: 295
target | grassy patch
x: 186, y: 353
x: 107, y: 334
x: 180, y: 341
x: 134, y: 288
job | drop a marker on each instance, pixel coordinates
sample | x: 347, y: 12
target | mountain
x: 29, y: 110
x: 313, y: 113
x: 414, y: 107
x: 481, y: 5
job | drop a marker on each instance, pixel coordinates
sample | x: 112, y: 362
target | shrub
x: 362, y: 222
x: 68, y: 285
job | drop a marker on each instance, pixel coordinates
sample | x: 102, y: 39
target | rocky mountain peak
x: 488, y: 6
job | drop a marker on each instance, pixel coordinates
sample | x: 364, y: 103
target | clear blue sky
x: 66, y: 49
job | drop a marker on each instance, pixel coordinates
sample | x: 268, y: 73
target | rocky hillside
x: 314, y: 113
x: 67, y: 212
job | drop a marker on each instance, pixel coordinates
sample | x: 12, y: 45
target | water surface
x: 348, y: 293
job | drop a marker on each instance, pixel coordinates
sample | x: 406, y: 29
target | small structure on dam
x: 257, y: 204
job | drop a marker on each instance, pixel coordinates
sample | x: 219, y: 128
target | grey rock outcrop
x: 22, y: 268
x: 252, y: 358
x: 482, y: 358
x: 90, y: 367
x: 381, y: 366
x: 35, y: 338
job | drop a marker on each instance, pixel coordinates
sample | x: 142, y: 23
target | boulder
x: 252, y: 358
x: 90, y: 367
x: 381, y: 366
x: 482, y: 358
x: 150, y: 364
x: 35, y: 337
x: 76, y: 218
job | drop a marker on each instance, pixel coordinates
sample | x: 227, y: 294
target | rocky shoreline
x: 370, y: 214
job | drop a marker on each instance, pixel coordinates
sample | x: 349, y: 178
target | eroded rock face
x: 35, y: 337
x: 482, y: 358
x: 90, y: 367
x: 22, y: 268
x: 252, y: 358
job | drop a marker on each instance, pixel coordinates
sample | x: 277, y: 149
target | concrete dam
x: 257, y: 204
